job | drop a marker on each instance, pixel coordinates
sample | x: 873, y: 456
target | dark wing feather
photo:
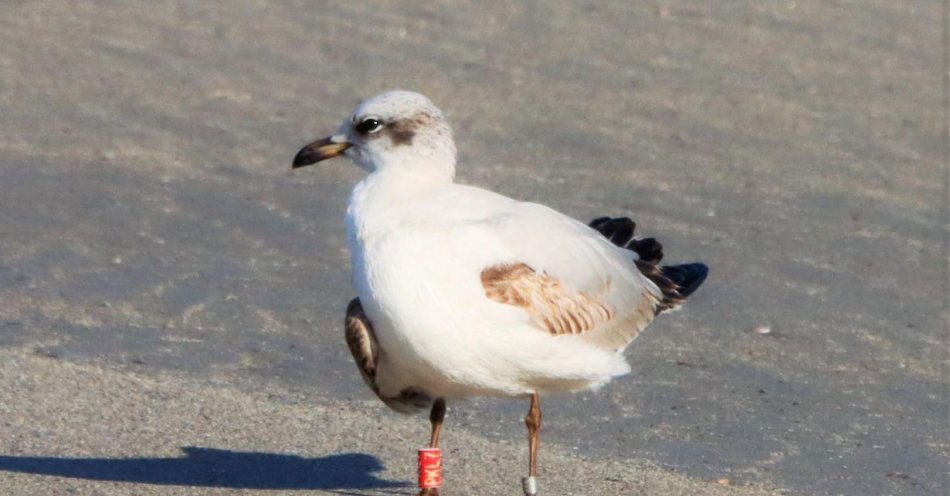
x: 362, y: 342
x: 675, y: 281
x: 365, y: 350
x: 620, y: 231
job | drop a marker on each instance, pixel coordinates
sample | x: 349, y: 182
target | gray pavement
x: 171, y: 294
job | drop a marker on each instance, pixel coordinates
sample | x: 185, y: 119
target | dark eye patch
x: 368, y: 125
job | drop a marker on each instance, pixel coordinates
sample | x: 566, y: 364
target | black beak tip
x: 305, y: 157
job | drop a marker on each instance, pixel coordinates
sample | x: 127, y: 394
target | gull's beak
x: 321, y: 149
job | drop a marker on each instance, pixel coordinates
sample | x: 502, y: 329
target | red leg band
x: 430, y: 468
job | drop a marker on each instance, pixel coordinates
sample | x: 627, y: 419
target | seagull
x: 465, y: 292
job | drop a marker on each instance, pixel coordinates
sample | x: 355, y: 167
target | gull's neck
x: 383, y: 197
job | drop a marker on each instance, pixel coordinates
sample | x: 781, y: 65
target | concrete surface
x: 171, y: 294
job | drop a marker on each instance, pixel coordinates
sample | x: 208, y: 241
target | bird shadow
x: 217, y: 468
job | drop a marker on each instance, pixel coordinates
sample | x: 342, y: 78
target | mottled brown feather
x: 362, y: 342
x: 365, y: 350
x: 552, y: 306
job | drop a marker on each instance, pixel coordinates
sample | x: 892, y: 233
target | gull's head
x: 394, y: 129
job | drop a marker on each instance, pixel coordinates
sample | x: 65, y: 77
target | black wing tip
x: 620, y: 231
x: 648, y: 249
x: 687, y: 276
x: 675, y: 281
x: 602, y: 221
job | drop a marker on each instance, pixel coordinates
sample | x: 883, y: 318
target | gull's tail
x: 675, y: 281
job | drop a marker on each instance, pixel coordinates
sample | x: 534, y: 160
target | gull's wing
x: 361, y: 340
x: 532, y: 264
x: 597, y: 281
x: 568, y: 278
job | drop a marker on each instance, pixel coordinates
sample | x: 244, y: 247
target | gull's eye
x: 369, y: 125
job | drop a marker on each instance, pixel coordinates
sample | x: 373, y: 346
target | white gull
x: 462, y: 291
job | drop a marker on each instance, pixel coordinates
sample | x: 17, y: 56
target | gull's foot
x: 430, y: 491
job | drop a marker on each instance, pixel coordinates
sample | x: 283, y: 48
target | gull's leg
x: 533, y: 422
x: 436, y: 416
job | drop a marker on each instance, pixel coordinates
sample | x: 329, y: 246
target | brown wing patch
x: 365, y: 350
x: 550, y: 304
x: 362, y: 342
